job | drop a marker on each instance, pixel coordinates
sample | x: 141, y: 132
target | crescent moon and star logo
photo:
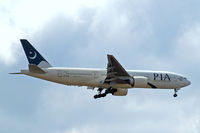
x: 32, y: 55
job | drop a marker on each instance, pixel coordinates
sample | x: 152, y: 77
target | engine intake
x: 131, y: 81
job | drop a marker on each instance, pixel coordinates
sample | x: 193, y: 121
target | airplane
x: 113, y: 80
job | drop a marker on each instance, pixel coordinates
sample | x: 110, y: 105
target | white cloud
x: 83, y: 129
x: 23, y: 18
x: 188, y: 44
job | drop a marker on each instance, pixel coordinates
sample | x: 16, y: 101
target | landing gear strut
x: 107, y: 91
x: 99, y: 94
x: 175, y: 91
x: 100, y: 90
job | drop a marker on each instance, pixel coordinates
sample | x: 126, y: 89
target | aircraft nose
x: 188, y: 82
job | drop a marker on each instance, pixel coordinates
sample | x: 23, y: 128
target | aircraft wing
x: 115, y: 72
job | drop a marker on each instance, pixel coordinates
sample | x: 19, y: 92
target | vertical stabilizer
x: 33, y: 56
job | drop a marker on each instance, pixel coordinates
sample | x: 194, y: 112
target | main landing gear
x: 175, y: 91
x: 107, y: 91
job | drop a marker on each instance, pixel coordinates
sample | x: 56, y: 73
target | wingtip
x: 109, y: 55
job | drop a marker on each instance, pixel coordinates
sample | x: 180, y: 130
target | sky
x: 141, y: 34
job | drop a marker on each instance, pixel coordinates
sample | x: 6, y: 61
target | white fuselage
x: 95, y: 78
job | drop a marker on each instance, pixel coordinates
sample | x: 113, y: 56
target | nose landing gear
x: 175, y: 91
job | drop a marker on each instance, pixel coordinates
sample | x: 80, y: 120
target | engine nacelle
x: 120, y: 92
x: 140, y: 82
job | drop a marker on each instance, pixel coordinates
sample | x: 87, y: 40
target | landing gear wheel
x: 107, y: 91
x: 175, y: 95
x: 103, y: 95
x: 96, y: 96
x: 99, y: 95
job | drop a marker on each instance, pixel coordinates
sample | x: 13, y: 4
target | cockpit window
x: 182, y: 78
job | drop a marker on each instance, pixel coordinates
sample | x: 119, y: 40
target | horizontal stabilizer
x: 35, y: 69
x: 16, y: 73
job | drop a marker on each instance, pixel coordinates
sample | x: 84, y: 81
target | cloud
x: 8, y: 35
x: 72, y: 110
x: 102, y: 31
x: 21, y: 19
x: 188, y: 43
x: 141, y: 34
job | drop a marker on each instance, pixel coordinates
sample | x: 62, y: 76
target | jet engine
x: 120, y: 92
x: 140, y: 82
x: 137, y: 81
